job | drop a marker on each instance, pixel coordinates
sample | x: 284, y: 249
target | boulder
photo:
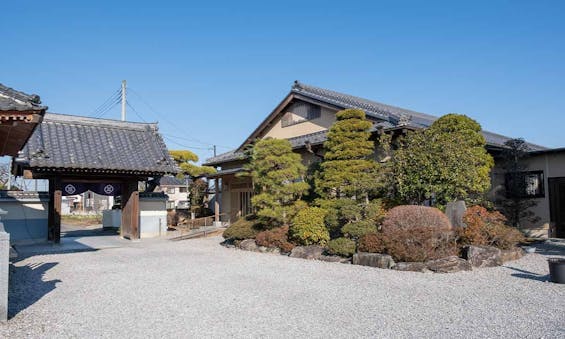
x: 448, y: 265
x: 411, y: 266
x: 511, y: 254
x: 455, y: 211
x: 307, y: 252
x: 249, y: 245
x: 334, y: 258
x: 264, y: 249
x: 482, y: 256
x: 373, y: 260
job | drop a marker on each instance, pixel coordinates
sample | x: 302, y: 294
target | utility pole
x: 214, y: 150
x: 123, y: 100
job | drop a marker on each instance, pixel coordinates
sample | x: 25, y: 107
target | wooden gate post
x: 54, y: 215
x: 130, y: 210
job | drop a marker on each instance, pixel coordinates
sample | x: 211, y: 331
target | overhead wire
x: 108, y: 104
x: 167, y: 136
x: 175, y: 125
x: 135, y: 111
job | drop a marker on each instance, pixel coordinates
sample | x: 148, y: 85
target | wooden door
x: 557, y: 204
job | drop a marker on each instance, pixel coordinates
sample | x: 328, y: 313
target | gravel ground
x: 197, y: 288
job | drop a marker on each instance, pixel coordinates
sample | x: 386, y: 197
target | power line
x: 106, y: 105
x: 174, y: 125
x: 186, y: 146
x: 166, y: 136
x: 135, y: 111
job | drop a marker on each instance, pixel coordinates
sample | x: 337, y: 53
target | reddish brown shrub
x: 372, y: 243
x: 485, y: 228
x: 277, y: 237
x: 410, y: 216
x: 414, y: 233
x: 419, y: 243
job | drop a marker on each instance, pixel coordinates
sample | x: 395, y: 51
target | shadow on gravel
x: 550, y: 247
x: 528, y: 275
x: 27, y: 286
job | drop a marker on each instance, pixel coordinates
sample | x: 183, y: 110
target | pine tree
x: 185, y: 160
x: 513, y: 203
x: 277, y: 174
x: 347, y: 170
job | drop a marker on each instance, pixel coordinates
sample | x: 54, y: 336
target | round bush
x: 277, y: 237
x: 341, y: 246
x: 359, y: 228
x: 244, y: 228
x: 417, y: 233
x: 308, y: 227
x: 409, y: 216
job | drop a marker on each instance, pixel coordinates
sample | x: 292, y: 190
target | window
x: 299, y: 112
x: 170, y: 205
x: 525, y: 184
x: 170, y: 190
x: 183, y: 190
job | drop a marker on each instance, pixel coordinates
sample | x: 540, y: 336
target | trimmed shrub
x: 419, y: 243
x: 244, y: 228
x: 375, y: 211
x: 372, y: 243
x: 486, y: 228
x: 308, y: 227
x: 341, y: 246
x: 359, y: 228
x: 417, y: 233
x: 410, y: 216
x: 277, y: 237
x: 339, y: 213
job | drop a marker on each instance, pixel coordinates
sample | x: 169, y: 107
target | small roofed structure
x: 19, y: 115
x: 75, y: 152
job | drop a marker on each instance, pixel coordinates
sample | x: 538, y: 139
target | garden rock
x: 511, y: 254
x: 307, y: 252
x: 482, y: 256
x: 249, y: 245
x: 411, y: 266
x: 455, y: 211
x: 449, y: 265
x: 373, y: 260
x: 274, y: 250
x: 333, y: 258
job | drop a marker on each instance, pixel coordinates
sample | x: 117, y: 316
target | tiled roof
x: 169, y: 180
x: 12, y: 100
x: 374, y: 109
x: 70, y: 143
x: 389, y: 117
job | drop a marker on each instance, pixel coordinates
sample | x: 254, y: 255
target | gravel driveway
x: 197, y: 288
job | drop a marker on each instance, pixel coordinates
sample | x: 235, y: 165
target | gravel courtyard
x: 197, y: 288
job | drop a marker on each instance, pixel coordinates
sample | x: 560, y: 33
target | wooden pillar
x: 54, y: 216
x: 130, y: 210
x: 216, y: 201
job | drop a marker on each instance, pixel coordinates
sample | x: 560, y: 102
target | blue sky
x: 210, y: 72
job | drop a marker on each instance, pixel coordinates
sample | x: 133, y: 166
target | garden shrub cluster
x: 485, y: 228
x: 308, y: 227
x: 357, y: 229
x: 341, y: 246
x: 244, y: 228
x: 277, y: 237
x: 345, y: 192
